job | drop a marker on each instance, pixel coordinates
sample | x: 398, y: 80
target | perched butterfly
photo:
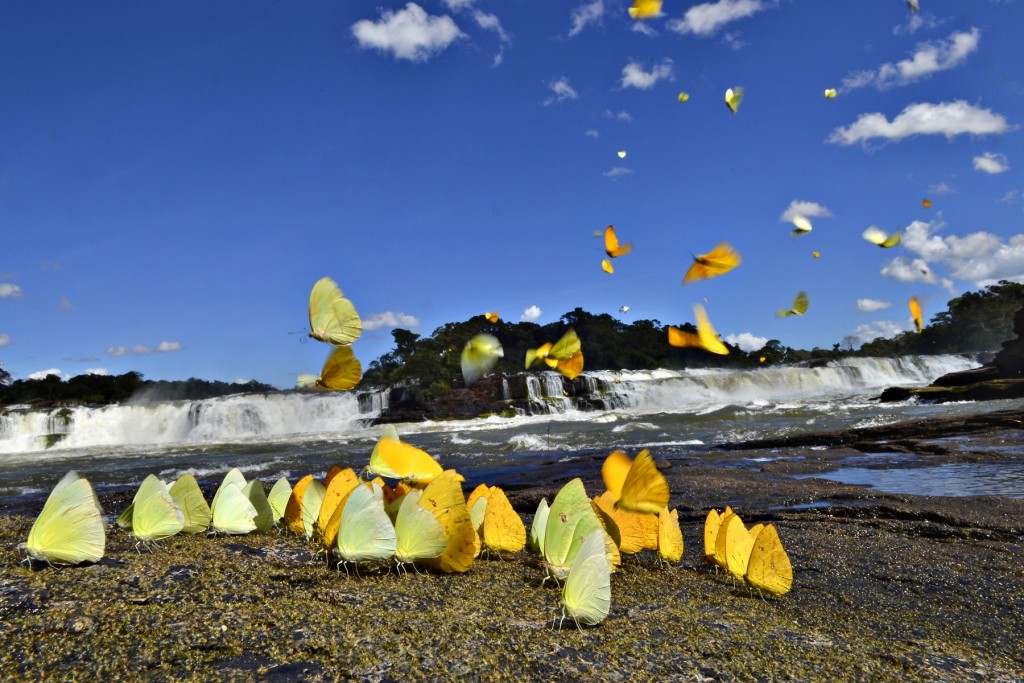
x: 683, y: 96
x: 670, y: 536
x: 587, y: 594
x: 479, y: 356
x: 491, y: 317
x: 336, y: 491
x: 332, y: 317
x: 636, y: 531
x: 303, y: 508
x: 537, y: 528
x: 718, y: 261
x: 706, y: 337
x: 712, y: 525
x: 733, y: 97
x: 621, y: 154
x: 70, y: 529
x: 189, y: 497
x: 915, y: 312
x: 234, y: 476
x: 612, y: 246
x: 768, y: 567
x: 341, y: 372
x: 278, y: 497
x: 155, y: 515
x: 257, y: 496
x: 570, y: 519
x: 233, y: 513
x: 443, y: 498
x: 733, y: 545
x: 365, y: 533
x: 645, y: 9
x: 799, y: 306
x: 802, y: 225
x: 640, y: 487
x: 419, y: 535
x: 502, y: 529
x: 830, y: 93
x: 876, y: 236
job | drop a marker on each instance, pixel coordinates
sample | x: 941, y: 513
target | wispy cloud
x: 562, y: 91
x: 927, y: 59
x: 946, y: 118
x: 530, y: 315
x: 800, y: 207
x: 705, y: 19
x: 618, y: 116
x: 65, y: 304
x: 941, y: 188
x: 5, y: 339
x: 634, y: 76
x: 43, y: 374
x: 585, y: 15
x: 376, y: 321
x: 990, y: 162
x: 409, y: 34
x: 486, y: 21
x: 142, y: 349
x: 644, y: 28
x: 9, y: 290
x: 886, y: 329
x: 872, y: 305
x: 616, y: 171
x: 746, y: 341
x: 591, y: 133
x: 980, y: 258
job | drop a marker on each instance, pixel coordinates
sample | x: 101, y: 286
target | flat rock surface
x: 887, y: 587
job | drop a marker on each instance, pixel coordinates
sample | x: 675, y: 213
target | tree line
x: 105, y: 389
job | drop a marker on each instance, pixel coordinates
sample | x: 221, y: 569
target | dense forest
x: 974, y: 321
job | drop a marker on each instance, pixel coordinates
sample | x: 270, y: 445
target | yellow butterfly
x: 335, y: 493
x: 607, y: 266
x: 612, y: 246
x: 733, y: 545
x: 341, y: 372
x: 706, y: 337
x: 670, y: 536
x: 645, y: 9
x: 303, y: 509
x: 800, y: 304
x: 712, y: 525
x: 926, y: 203
x: 635, y: 530
x: 479, y: 356
x: 444, y: 499
x: 876, y: 236
x: 565, y: 355
x: 642, y: 488
x: 491, y: 317
x: 915, y: 311
x: 816, y: 254
x: 396, y: 459
x: 502, y: 530
x: 768, y: 567
x: 802, y: 225
x: 733, y: 97
x: 621, y: 154
x: 332, y: 317
x: 71, y: 528
x: 718, y: 261
x: 683, y: 97
x: 830, y: 93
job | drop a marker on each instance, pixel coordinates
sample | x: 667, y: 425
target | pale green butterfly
x: 587, y: 594
x: 278, y: 497
x: 332, y: 317
x: 189, y: 497
x: 264, y: 513
x: 479, y: 356
x: 155, y: 515
x: 366, y: 533
x: 570, y: 519
x: 540, y: 522
x: 234, y: 476
x: 232, y: 511
x: 419, y: 535
x: 70, y: 529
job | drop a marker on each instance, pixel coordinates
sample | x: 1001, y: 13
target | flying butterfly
x: 645, y: 9
x: 341, y: 372
x: 706, y: 337
x: 800, y: 304
x: 733, y: 97
x: 621, y: 154
x: 802, y: 225
x: 915, y: 312
x: 612, y: 246
x: 926, y: 203
x: 830, y: 93
x: 607, y: 266
x: 876, y: 236
x: 332, y: 317
x: 683, y: 96
x: 492, y: 317
x: 479, y: 355
x: 718, y: 261
x: 638, y: 488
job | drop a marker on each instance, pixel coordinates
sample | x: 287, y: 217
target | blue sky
x: 174, y: 177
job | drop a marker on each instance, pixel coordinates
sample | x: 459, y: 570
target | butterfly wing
x: 479, y: 356
x: 612, y: 246
x: 614, y: 471
x: 645, y: 488
x: 342, y: 370
x: 503, y: 529
x: 366, y: 533
x: 155, y: 515
x: 571, y: 367
x: 443, y: 498
x: 278, y: 497
x: 189, y: 497
x: 915, y: 312
x: 419, y: 535
x: 70, y: 528
x: 233, y: 513
x: 566, y: 347
x: 587, y: 593
x: 670, y: 536
x: 711, y: 527
x: 539, y: 526
x: 257, y: 495
x: 332, y: 317
x: 709, y: 340
x: 396, y: 459
x: 769, y: 568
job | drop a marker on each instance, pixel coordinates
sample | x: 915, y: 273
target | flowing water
x: 678, y: 413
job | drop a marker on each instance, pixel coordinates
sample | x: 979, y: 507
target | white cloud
x: 618, y: 116
x: 377, y: 321
x: 408, y: 34
x: 644, y: 28
x: 591, y: 133
x: 927, y: 59
x: 705, y: 19
x: 65, y: 304
x: 1011, y: 197
x: 562, y: 91
x: 142, y: 349
x: 530, y: 315
x: 872, y: 305
x: 800, y: 207
x: 990, y: 162
x: 458, y: 5
x: 746, y: 341
x: 43, y: 374
x: 490, y: 22
x: 886, y: 329
x: 947, y: 118
x: 5, y: 339
x: 586, y: 14
x: 909, y: 270
x: 732, y: 40
x: 941, y: 188
x: 634, y: 76
x: 10, y: 290
x: 616, y: 171
x: 96, y: 371
x: 980, y: 258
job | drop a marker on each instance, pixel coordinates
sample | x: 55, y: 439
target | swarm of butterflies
x: 424, y: 519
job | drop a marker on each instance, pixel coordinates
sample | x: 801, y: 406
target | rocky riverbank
x: 888, y: 587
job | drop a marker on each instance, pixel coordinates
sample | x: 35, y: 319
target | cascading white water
x: 546, y: 392
x: 229, y: 418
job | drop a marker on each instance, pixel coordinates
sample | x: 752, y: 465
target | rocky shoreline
x: 888, y: 587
